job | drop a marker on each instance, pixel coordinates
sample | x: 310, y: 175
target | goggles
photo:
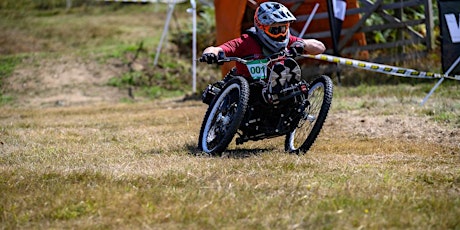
x: 277, y: 31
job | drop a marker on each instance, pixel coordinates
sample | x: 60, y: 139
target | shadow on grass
x: 239, y: 153
x: 192, y: 149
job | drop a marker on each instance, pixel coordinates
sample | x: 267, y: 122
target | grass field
x: 136, y: 166
x: 101, y: 161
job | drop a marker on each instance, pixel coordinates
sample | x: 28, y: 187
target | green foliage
x: 168, y: 78
x: 126, y: 79
x: 206, y: 35
x: 392, y: 35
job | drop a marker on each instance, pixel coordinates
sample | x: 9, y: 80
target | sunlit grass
x: 135, y: 165
x: 382, y: 161
x: 95, y: 27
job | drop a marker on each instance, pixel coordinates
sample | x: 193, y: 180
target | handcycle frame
x: 237, y: 105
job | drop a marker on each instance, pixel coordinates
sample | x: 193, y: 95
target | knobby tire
x: 224, y: 116
x: 320, y: 94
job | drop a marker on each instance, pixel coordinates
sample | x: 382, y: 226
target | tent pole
x: 165, y: 31
x: 307, y: 23
x: 451, y: 68
x: 193, y: 3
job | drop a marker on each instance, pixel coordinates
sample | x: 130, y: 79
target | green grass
x: 7, y: 66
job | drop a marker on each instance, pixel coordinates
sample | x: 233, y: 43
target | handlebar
x: 221, y: 58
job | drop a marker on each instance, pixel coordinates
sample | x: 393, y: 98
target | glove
x: 297, y: 48
x: 209, y: 58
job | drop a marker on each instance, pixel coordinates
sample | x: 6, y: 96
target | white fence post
x: 68, y: 4
x: 193, y: 3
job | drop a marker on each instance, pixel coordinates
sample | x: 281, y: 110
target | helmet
x: 276, y: 37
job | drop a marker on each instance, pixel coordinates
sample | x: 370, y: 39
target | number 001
x: 257, y: 69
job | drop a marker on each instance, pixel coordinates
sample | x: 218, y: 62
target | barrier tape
x: 387, y: 69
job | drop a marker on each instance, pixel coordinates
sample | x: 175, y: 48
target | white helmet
x: 267, y: 14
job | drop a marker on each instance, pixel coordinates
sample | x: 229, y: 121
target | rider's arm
x: 231, y: 48
x: 306, y: 46
x: 313, y: 46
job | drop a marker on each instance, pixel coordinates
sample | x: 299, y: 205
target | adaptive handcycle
x: 274, y: 102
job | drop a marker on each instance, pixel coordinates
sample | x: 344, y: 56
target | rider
x: 269, y: 35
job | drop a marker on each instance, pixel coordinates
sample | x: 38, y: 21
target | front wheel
x: 319, y: 101
x: 224, y: 116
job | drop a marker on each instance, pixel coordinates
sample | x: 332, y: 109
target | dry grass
x: 135, y: 166
x: 381, y: 161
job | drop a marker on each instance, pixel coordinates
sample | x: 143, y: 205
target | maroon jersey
x: 247, y: 47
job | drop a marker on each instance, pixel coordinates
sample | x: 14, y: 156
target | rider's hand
x: 297, y: 48
x: 209, y: 58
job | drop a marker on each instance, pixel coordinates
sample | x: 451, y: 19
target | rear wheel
x: 224, y: 116
x: 319, y: 101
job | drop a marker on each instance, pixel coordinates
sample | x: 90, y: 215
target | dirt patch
x: 64, y: 82
x: 393, y: 127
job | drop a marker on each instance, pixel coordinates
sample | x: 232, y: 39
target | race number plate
x: 258, y: 69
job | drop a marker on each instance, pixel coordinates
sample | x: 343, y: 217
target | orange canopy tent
x: 235, y: 16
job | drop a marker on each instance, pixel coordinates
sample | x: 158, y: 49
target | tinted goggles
x: 277, y: 31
